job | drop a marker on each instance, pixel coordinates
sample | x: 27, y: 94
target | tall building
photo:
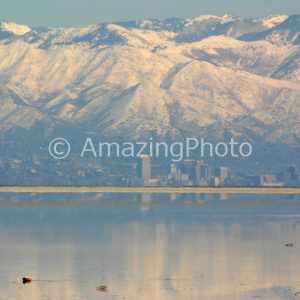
x: 198, y: 170
x: 173, y: 169
x: 222, y: 173
x: 294, y: 171
x: 205, y: 172
x: 176, y: 175
x: 192, y: 168
x: 144, y: 167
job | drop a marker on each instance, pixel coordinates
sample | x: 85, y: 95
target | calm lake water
x: 144, y: 248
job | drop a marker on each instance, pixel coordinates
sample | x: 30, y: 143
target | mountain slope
x: 175, y: 78
x: 287, y: 32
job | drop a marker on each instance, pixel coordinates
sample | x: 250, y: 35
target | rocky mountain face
x: 211, y: 77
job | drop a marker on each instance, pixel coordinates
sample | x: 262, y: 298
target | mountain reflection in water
x: 148, y: 251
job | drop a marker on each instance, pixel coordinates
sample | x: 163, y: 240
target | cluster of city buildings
x: 143, y: 171
x: 196, y: 172
x: 190, y: 172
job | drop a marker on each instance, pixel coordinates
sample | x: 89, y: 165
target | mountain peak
x: 229, y: 16
x: 14, y: 28
x: 273, y: 20
x: 219, y: 19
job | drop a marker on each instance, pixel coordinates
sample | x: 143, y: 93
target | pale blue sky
x: 69, y: 13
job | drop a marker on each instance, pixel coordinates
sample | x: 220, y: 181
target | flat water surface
x: 149, y: 251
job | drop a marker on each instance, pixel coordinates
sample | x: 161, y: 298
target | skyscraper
x: 205, y: 172
x: 144, y: 167
x: 294, y: 171
x: 192, y: 168
x: 222, y: 173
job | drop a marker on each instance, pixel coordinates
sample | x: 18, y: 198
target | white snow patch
x: 223, y: 19
x: 273, y: 21
x: 14, y: 28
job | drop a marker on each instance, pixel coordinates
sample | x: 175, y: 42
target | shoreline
x: 150, y: 189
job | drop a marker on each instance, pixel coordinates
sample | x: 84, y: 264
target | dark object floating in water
x: 101, y: 288
x: 289, y: 245
x: 27, y: 279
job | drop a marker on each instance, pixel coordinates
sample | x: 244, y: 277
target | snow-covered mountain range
x: 209, y: 77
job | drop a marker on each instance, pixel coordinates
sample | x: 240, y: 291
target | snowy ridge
x: 14, y: 28
x: 273, y: 21
x: 222, y: 19
x: 159, y: 78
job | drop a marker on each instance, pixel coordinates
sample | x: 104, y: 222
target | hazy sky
x: 68, y: 13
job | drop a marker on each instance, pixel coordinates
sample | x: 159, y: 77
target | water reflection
x: 164, y: 252
x: 146, y: 199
